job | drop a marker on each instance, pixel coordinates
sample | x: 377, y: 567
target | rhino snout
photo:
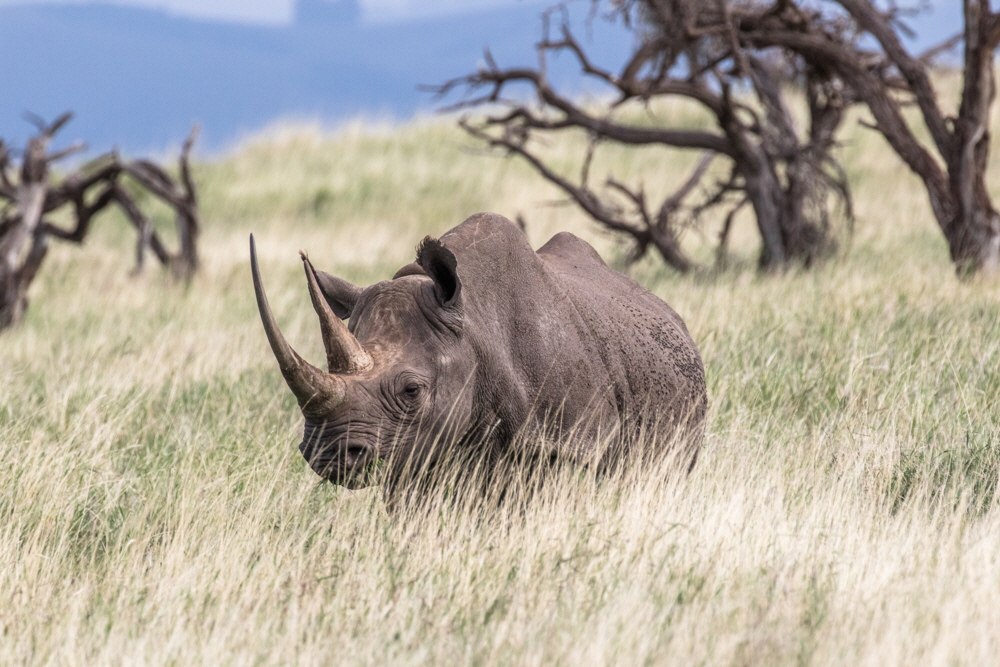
x: 340, y: 461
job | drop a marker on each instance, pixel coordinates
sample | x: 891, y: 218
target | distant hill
x: 139, y: 78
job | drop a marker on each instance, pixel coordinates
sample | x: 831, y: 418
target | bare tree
x: 694, y: 50
x: 953, y: 166
x: 28, y: 195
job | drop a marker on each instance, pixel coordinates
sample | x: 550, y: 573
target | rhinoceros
x: 483, y: 343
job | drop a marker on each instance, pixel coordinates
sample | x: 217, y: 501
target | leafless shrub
x: 28, y: 195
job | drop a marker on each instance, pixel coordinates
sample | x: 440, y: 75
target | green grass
x: 154, y: 507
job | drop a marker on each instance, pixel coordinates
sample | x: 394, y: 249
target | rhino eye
x: 411, y: 390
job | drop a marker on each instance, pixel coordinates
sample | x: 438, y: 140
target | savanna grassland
x: 154, y: 508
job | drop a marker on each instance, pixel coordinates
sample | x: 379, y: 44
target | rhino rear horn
x: 344, y: 354
x: 340, y: 294
x: 317, y: 391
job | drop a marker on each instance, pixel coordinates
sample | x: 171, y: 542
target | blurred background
x: 138, y: 73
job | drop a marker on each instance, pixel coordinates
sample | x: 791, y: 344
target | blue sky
x: 282, y: 12
x: 138, y: 73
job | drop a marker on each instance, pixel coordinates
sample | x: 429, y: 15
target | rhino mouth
x: 349, y: 465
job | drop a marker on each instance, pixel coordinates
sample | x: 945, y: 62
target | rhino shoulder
x: 570, y: 248
x: 484, y: 233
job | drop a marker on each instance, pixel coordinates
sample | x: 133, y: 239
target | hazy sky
x: 138, y: 73
x: 281, y: 12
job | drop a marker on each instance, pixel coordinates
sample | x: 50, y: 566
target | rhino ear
x: 440, y: 264
x: 340, y: 294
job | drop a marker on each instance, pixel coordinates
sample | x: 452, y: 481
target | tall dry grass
x: 154, y: 508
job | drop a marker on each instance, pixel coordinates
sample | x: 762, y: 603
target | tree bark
x: 767, y: 199
x: 973, y: 227
x: 16, y: 273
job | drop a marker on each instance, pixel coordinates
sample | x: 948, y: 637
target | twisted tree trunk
x: 953, y: 166
x: 970, y: 223
x: 19, y: 262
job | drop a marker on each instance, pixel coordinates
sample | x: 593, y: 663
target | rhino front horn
x: 317, y: 391
x: 344, y: 353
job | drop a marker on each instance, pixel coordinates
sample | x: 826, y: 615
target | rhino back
x: 559, y: 333
x: 642, y: 341
x: 536, y: 357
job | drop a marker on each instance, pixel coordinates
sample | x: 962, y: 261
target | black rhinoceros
x: 483, y: 342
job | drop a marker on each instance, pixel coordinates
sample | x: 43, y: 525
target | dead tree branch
x: 28, y: 196
x: 702, y: 52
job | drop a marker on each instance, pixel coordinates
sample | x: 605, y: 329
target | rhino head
x: 398, y: 379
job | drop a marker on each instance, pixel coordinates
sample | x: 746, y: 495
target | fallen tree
x: 29, y: 195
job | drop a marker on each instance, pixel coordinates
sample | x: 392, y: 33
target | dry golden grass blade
x: 154, y: 508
